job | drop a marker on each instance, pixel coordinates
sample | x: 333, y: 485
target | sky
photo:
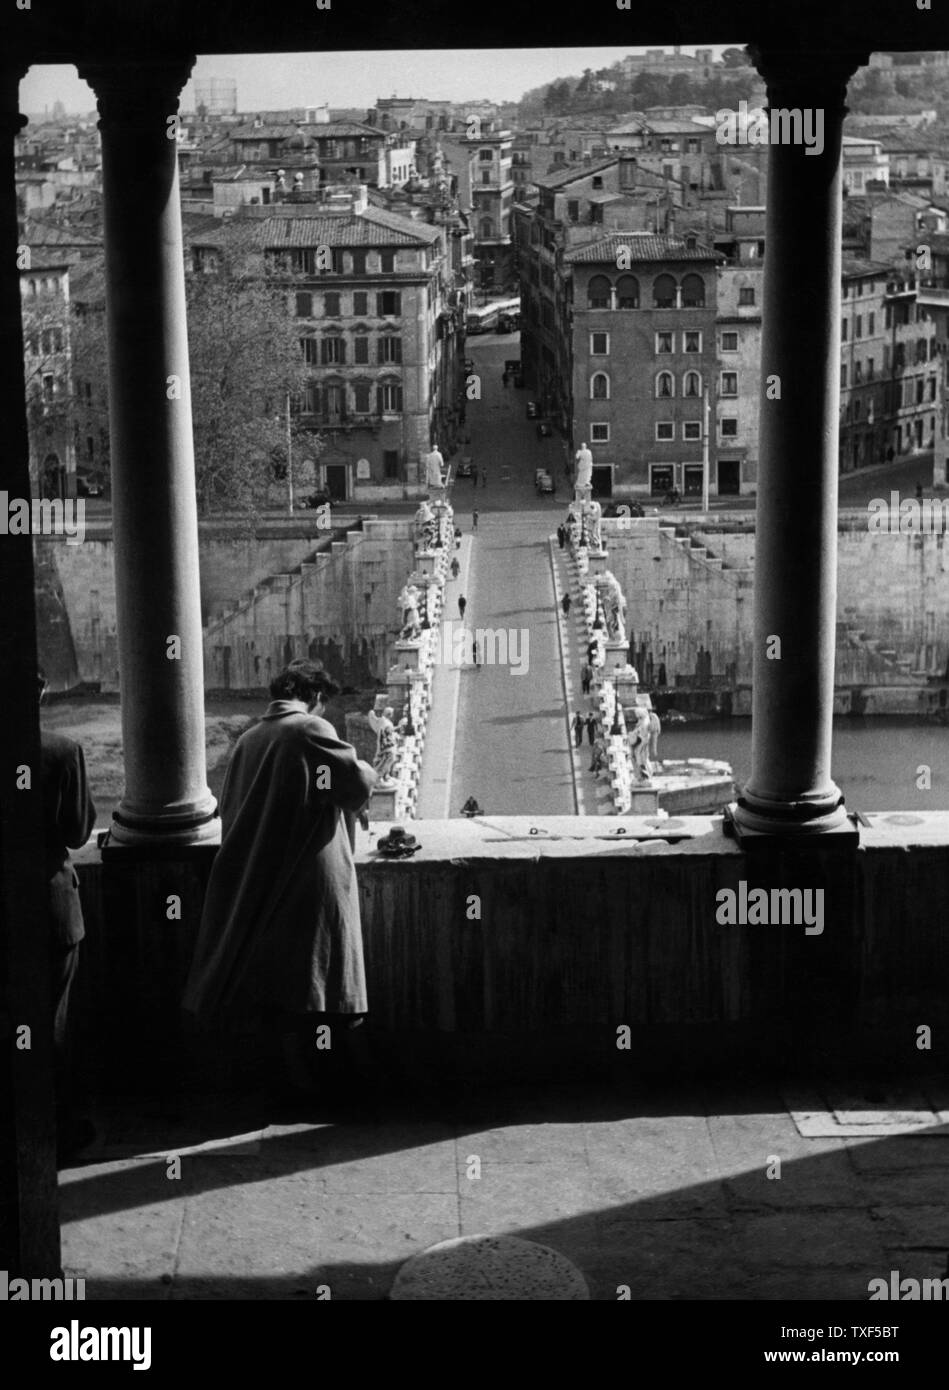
x: 280, y: 80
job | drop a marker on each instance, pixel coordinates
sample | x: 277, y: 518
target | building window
x: 664, y: 292
x: 843, y: 330
x: 389, y: 398
x: 331, y: 305
x: 730, y: 427
x: 599, y: 344
x: 663, y: 343
x: 389, y: 304
x: 746, y: 295
x: 390, y: 349
x: 665, y: 429
x: 729, y: 385
x: 858, y: 327
x: 693, y: 292
x: 870, y: 369
x: 932, y: 388
x: 600, y: 434
x: 360, y: 303
x: 729, y: 342
x: 332, y: 351
x: 627, y: 292
x: 573, y: 210
x: 597, y: 181
x: 359, y: 262
x: 311, y: 351
x: 600, y: 387
x: 361, y: 397
x: 598, y: 293
x: 693, y: 341
x: 486, y: 229
x: 857, y: 372
x: 665, y: 387
x: 390, y: 463
x: 387, y: 262
x: 485, y: 175
x: 485, y: 155
x: 692, y: 429
x: 304, y: 309
x: 871, y: 324
x: 692, y: 384
x: 361, y: 349
x: 843, y: 377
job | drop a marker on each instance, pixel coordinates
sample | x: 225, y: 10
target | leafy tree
x: 734, y: 58
x: 246, y: 360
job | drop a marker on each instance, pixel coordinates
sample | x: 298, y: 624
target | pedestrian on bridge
x: 484, y: 478
x: 455, y: 567
x: 591, y: 729
x: 474, y: 475
x: 577, y: 725
x: 586, y: 676
x: 474, y: 519
x: 565, y: 603
x: 561, y: 536
x: 462, y: 604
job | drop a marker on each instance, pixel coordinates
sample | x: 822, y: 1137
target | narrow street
x: 511, y: 750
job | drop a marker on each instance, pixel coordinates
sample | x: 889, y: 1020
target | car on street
x: 465, y: 467
x: 543, y: 482
x: 315, y: 499
x: 532, y: 410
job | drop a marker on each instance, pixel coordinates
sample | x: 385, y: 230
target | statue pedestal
x: 407, y: 655
x: 382, y: 803
x: 583, y: 492
x: 425, y: 562
x: 597, y: 561
x: 617, y: 654
x: 627, y: 688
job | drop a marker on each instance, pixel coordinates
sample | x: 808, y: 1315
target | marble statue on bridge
x: 584, y: 484
x: 592, y: 514
x: 426, y: 526
x: 386, y: 747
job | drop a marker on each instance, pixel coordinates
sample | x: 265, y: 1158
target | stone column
x: 790, y: 791
x: 29, y: 1225
x: 154, y: 507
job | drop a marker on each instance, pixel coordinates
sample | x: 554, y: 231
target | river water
x: 875, y: 760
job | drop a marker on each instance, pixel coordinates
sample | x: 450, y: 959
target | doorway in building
x: 729, y: 477
x: 602, y: 480
x: 692, y: 479
x: 336, y: 481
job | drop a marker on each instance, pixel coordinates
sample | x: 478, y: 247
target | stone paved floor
x: 664, y: 1192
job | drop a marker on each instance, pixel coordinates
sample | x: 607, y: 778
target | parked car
x: 623, y: 509
x: 544, y: 483
x: 469, y: 364
x: 544, y: 430
x: 532, y: 410
x: 465, y: 467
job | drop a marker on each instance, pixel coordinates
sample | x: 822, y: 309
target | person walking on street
x: 578, y: 729
x: 474, y: 475
x: 474, y: 520
x: 586, y: 675
x: 504, y: 379
x: 591, y: 729
x: 462, y: 604
x: 561, y: 536
x: 455, y: 567
x: 565, y: 603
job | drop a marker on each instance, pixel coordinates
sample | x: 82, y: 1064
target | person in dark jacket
x: 577, y: 724
x: 280, y: 941
x: 69, y: 816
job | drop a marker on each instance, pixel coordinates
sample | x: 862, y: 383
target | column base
x: 838, y: 829
x: 199, y: 827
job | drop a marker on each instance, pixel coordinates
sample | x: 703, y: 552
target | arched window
x: 487, y: 228
x: 600, y: 386
x: 693, y: 292
x: 665, y: 386
x: 664, y: 292
x: 692, y: 384
x: 627, y: 292
x: 598, y: 292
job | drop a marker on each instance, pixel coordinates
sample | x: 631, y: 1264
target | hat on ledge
x: 397, y: 844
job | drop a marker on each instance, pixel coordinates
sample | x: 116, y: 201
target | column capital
x: 137, y: 93
x: 799, y: 77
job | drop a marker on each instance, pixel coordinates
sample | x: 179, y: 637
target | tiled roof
x: 576, y: 171
x: 856, y: 266
x: 642, y: 247
x: 263, y: 132
x: 336, y: 129
x: 372, y: 228
x: 46, y: 234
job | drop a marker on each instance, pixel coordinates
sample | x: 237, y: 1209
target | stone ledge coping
x: 510, y: 837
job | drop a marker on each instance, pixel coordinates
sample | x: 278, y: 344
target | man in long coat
x: 280, y: 937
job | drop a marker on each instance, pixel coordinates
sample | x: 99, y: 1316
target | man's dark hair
x: 302, y: 680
